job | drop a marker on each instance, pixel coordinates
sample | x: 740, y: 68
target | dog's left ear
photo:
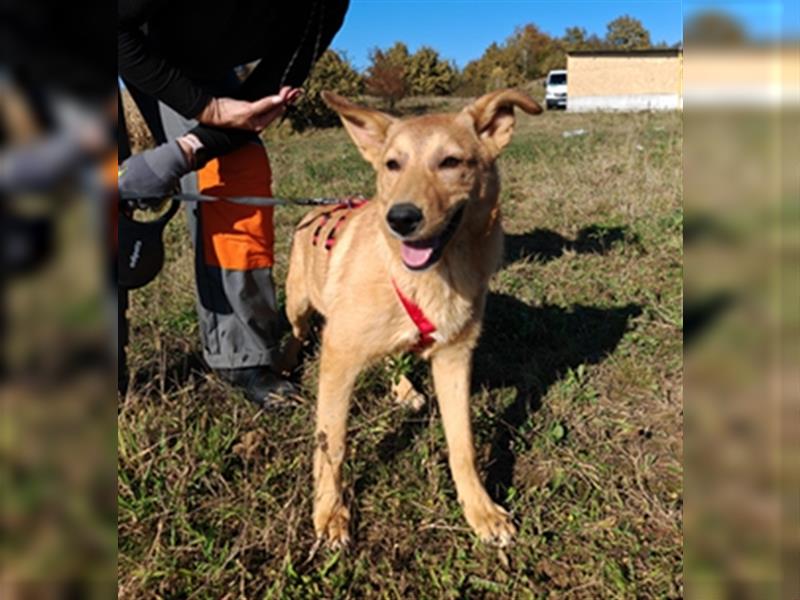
x: 493, y: 116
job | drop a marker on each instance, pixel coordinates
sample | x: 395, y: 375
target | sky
x: 462, y: 29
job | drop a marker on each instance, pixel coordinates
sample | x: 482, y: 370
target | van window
x: 557, y: 78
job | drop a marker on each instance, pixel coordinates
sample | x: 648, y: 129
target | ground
x: 577, y: 403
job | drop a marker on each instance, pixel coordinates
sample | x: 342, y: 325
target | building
x: 747, y: 76
x: 624, y: 80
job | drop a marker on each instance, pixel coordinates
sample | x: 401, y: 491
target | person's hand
x: 153, y: 174
x: 251, y: 116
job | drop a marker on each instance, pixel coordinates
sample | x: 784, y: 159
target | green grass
x: 576, y: 404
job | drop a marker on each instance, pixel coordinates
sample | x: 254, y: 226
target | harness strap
x: 425, y: 327
x: 325, y: 217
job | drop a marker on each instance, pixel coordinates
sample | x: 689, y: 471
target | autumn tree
x: 627, y: 33
x: 386, y: 75
x: 499, y: 66
x: 333, y: 71
x: 535, y: 51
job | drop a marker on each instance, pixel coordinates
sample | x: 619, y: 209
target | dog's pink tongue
x: 415, y: 257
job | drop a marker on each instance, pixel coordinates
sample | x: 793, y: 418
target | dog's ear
x: 366, y: 126
x: 492, y: 115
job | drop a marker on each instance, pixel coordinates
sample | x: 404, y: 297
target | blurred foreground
x: 742, y: 309
x: 742, y: 304
x: 57, y: 435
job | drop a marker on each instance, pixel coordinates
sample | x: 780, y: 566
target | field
x: 577, y: 403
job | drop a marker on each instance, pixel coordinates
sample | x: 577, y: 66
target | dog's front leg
x: 338, y: 372
x: 451, y: 376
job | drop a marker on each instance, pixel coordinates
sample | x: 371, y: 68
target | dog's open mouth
x: 418, y: 255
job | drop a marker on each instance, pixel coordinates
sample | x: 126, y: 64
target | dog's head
x: 435, y: 173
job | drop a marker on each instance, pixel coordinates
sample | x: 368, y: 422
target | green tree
x: 574, y: 39
x: 333, y: 71
x: 398, y: 55
x: 428, y: 74
x: 627, y: 33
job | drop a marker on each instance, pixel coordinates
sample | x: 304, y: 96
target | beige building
x: 624, y: 80
x: 748, y: 76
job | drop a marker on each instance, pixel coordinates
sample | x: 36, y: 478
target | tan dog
x: 407, y: 270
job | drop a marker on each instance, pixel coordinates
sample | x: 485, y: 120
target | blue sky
x: 462, y: 29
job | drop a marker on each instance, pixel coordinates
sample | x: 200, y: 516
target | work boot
x: 261, y: 386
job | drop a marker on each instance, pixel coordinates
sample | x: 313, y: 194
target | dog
x: 407, y: 270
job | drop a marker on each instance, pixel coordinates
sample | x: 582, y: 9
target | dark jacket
x: 182, y: 52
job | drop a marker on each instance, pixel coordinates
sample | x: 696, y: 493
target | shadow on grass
x: 174, y: 375
x: 701, y: 314
x: 544, y: 245
x: 531, y: 348
x: 528, y: 349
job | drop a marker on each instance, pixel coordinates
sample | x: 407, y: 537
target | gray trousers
x: 237, y: 309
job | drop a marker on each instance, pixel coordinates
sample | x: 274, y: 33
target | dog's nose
x: 404, y: 218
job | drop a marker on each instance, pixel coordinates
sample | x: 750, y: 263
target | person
x: 177, y: 58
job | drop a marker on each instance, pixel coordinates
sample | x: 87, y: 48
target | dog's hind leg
x: 405, y: 394
x: 451, y: 376
x: 298, y: 312
x: 338, y: 372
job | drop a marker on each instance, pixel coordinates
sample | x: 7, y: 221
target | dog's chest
x: 434, y: 314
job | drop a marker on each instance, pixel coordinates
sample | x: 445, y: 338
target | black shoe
x: 261, y: 386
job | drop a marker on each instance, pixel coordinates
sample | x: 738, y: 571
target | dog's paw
x: 412, y: 400
x: 332, y: 526
x: 407, y: 396
x: 491, y: 523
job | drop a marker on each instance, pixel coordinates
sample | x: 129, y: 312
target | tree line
x: 394, y: 73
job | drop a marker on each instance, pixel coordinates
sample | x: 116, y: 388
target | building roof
x: 644, y: 52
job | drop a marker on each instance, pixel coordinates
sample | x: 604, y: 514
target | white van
x: 556, y: 89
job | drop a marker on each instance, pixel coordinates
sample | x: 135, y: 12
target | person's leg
x: 237, y: 308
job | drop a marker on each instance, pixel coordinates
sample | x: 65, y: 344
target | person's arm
x: 225, y: 123
x: 218, y: 141
x: 148, y: 71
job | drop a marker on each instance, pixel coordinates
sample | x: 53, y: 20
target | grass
x: 577, y: 405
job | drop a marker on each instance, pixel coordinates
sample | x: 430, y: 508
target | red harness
x: 349, y: 204
x: 425, y: 327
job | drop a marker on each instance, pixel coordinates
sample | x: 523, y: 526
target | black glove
x: 152, y: 174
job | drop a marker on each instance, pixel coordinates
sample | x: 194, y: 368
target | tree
x: 386, y: 75
x: 499, y: 66
x: 574, y: 39
x: 627, y: 33
x: 333, y: 71
x: 714, y: 28
x: 428, y: 74
x: 535, y: 52
x: 398, y: 55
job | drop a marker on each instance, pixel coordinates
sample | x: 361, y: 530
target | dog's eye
x: 451, y: 162
x: 392, y: 165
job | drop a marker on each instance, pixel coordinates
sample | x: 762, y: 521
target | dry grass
x: 577, y: 404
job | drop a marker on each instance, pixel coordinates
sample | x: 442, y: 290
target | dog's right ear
x: 493, y: 116
x: 367, y: 127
